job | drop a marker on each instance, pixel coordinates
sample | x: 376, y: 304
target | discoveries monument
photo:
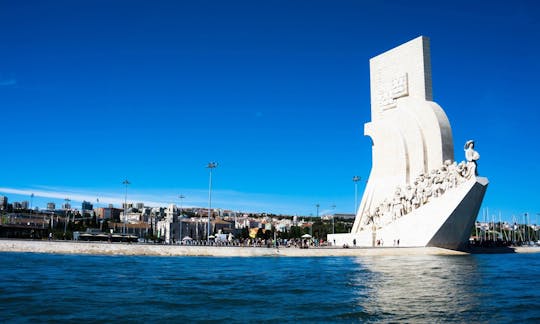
x: 416, y: 195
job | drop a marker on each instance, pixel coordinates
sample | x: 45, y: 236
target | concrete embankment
x: 99, y: 248
x: 103, y: 248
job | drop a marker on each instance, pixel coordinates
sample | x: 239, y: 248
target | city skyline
x: 93, y: 93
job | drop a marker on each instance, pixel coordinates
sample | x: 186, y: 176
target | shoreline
x: 140, y: 249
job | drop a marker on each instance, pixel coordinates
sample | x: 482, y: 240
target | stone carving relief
x: 426, y: 186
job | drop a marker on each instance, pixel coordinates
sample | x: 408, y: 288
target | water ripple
x: 419, y: 289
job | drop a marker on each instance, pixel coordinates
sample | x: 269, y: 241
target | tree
x: 321, y: 229
x: 244, y: 233
x: 105, y: 225
x: 268, y: 234
x: 296, y: 232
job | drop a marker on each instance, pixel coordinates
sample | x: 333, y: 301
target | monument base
x: 445, y: 222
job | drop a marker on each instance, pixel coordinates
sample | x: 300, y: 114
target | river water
x: 73, y: 288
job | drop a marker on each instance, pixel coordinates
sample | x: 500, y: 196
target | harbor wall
x: 104, y: 248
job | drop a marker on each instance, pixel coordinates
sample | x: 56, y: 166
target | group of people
x: 258, y: 242
x: 425, y: 187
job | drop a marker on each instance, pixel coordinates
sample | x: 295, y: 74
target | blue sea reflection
x: 72, y: 288
x: 419, y: 288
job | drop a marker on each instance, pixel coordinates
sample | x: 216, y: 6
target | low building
x: 108, y: 213
x: 194, y: 228
x: 130, y: 217
x: 86, y: 206
x: 221, y: 226
x: 127, y: 205
x: 3, y: 202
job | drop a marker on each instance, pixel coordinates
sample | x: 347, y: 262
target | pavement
x: 105, y: 248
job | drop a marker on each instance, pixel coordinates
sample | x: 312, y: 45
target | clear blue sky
x: 277, y: 92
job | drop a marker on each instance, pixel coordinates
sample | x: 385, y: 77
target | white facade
x: 164, y: 226
x: 414, y: 186
x: 411, y: 134
x: 444, y: 222
x: 130, y: 217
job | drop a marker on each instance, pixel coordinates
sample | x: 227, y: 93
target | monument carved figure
x: 471, y: 156
x: 414, y: 184
x: 426, y: 187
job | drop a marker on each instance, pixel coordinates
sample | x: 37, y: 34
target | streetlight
x: 66, y: 218
x: 537, y: 227
x: 527, y: 221
x: 311, y: 227
x: 355, y: 179
x: 181, y: 199
x: 210, y: 166
x: 126, y: 183
x: 525, y: 230
x: 180, y: 218
x: 333, y: 215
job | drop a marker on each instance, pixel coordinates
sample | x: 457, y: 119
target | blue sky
x: 277, y: 92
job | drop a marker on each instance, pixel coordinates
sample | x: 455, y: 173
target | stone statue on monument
x: 438, y: 198
x: 471, y: 156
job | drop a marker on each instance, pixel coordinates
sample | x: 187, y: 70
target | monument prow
x: 416, y: 195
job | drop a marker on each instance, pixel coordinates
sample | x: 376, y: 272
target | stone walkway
x: 103, y: 248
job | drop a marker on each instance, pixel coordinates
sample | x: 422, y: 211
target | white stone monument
x: 416, y: 194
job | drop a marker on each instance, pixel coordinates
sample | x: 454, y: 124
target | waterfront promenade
x: 104, y: 248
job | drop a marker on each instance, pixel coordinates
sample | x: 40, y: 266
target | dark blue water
x: 73, y: 288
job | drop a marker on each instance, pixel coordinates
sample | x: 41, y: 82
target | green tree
x: 296, y: 232
x: 244, y: 233
x: 105, y: 225
x: 321, y: 229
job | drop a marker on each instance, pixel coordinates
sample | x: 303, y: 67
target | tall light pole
x: 31, y: 201
x: 210, y: 166
x: 181, y: 200
x: 537, y: 227
x: 527, y: 235
x: 126, y: 183
x: 180, y: 218
x: 66, y: 219
x: 318, y: 205
x: 333, y: 215
x: 355, y: 179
